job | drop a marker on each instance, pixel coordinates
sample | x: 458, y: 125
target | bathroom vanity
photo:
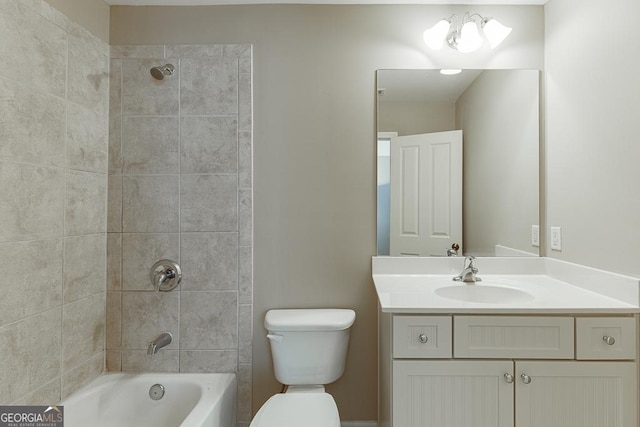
x: 537, y: 343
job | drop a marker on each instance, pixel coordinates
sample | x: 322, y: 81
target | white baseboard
x: 359, y: 424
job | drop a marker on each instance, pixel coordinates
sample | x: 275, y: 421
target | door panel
x: 426, y: 193
x: 576, y: 394
x: 452, y: 394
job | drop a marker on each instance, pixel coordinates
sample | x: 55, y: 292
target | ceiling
x: 423, y: 85
x: 232, y: 2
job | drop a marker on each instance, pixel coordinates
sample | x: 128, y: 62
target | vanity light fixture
x: 466, y: 34
x: 450, y: 71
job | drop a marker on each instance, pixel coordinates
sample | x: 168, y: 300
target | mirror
x: 458, y: 162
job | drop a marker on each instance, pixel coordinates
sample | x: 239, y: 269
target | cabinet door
x: 576, y: 394
x: 452, y: 393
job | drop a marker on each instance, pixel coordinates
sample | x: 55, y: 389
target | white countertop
x: 581, y: 290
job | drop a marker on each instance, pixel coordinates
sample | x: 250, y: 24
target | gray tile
x: 35, y: 271
x: 88, y: 73
x: 196, y: 50
x: 83, y: 330
x: 208, y: 320
x: 32, y: 125
x: 115, y: 116
x: 86, y: 203
x: 209, y: 361
x: 235, y: 50
x: 87, y: 139
x: 208, y: 145
x: 140, y: 251
x: 245, y: 333
x: 245, y: 109
x: 209, y: 261
x: 84, y: 266
x: 113, y: 362
x: 246, y: 274
x: 115, y: 87
x: 114, y: 321
x: 33, y: 199
x: 244, y: 393
x: 34, y: 48
x: 245, y: 159
x: 114, y: 204
x: 150, y: 145
x: 144, y: 95
x: 209, y: 86
x: 82, y: 374
x: 115, y: 144
x: 50, y: 392
x: 92, y: 41
x: 114, y: 261
x: 150, y: 203
x: 245, y: 219
x: 245, y: 61
x: 137, y: 51
x: 209, y: 203
x: 145, y: 315
x: 25, y: 366
x: 139, y: 361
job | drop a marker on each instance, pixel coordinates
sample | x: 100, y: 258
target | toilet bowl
x: 309, y: 349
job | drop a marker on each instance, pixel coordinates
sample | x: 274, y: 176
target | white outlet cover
x: 535, y: 235
x: 556, y: 238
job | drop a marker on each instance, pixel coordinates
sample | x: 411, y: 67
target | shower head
x: 158, y: 73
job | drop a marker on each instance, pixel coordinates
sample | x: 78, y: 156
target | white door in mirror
x: 425, y: 193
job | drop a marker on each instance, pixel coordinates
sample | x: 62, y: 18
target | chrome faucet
x: 468, y: 275
x: 163, y: 340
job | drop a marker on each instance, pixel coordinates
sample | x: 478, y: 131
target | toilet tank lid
x: 316, y: 319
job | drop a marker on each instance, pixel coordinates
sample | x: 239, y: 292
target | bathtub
x: 122, y: 400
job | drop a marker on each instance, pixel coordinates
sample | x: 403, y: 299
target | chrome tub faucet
x: 163, y: 340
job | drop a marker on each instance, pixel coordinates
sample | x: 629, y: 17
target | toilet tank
x: 309, y: 346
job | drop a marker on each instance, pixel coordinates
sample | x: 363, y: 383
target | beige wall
x: 499, y: 114
x: 592, y: 114
x: 314, y: 104
x: 91, y: 14
x: 53, y: 179
x: 410, y: 118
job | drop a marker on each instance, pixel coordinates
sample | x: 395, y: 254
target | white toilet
x: 309, y: 349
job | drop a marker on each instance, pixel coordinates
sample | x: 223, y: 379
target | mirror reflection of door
x: 425, y: 193
x: 498, y: 111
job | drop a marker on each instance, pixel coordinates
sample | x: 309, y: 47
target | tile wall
x: 180, y: 187
x: 54, y: 94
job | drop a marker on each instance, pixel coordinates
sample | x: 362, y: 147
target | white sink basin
x: 484, y: 294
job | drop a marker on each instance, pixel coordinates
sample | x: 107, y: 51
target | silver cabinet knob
x: 609, y: 340
x: 526, y: 378
x: 423, y: 338
x: 508, y: 378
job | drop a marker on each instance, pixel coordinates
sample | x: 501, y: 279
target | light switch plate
x: 556, y: 238
x: 535, y: 235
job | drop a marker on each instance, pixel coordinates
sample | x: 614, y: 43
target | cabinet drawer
x: 605, y: 338
x: 520, y: 337
x: 416, y: 337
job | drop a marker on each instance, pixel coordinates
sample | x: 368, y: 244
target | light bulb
x: 469, y: 40
x: 434, y: 37
x: 495, y: 32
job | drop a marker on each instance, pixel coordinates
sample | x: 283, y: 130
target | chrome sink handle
x: 165, y: 275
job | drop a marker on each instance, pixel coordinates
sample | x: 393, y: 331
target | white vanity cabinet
x: 505, y: 371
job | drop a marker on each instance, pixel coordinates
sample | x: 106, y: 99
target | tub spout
x: 163, y: 340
